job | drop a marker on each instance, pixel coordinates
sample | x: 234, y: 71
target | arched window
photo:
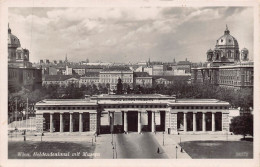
x: 217, y: 57
x: 229, y: 54
x: 19, y: 55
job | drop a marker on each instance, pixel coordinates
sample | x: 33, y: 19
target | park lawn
x: 219, y: 149
x: 70, y: 150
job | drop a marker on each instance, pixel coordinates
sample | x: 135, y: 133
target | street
x: 135, y: 145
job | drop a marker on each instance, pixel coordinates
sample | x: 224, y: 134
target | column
x: 93, y: 122
x: 61, y: 122
x: 39, y: 122
x: 139, y: 122
x: 225, y: 121
x: 71, y: 122
x: 194, y: 123
x: 125, y: 122
x: 111, y: 122
x: 51, y: 122
x: 185, y: 122
x: 153, y: 122
x: 80, y: 123
x: 213, y: 122
x: 203, y: 122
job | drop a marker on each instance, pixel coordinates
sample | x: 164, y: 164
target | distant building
x: 17, y: 56
x: 149, y: 70
x: 183, y: 65
x: 29, y: 78
x: 52, y: 71
x: 80, y: 70
x: 92, y: 68
x: 226, y: 67
x: 20, y: 70
x: 143, y: 79
x: 61, y: 80
x: 158, y: 69
x: 111, y: 76
x: 169, y: 80
x: 90, y: 78
x: 68, y: 70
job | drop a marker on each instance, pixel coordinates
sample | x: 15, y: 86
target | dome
x: 19, y: 49
x: 13, y: 41
x: 210, y: 51
x: 227, y: 40
x: 244, y: 50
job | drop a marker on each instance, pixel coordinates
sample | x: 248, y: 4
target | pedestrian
x: 158, y: 151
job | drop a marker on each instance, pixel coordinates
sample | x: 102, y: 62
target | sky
x: 128, y: 34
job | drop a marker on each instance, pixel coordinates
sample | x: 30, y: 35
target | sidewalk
x: 104, y: 147
x: 169, y: 146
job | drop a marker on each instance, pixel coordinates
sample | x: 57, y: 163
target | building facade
x: 61, y: 80
x: 226, y: 66
x: 20, y: 70
x: 90, y: 78
x: 111, y: 78
x: 143, y: 79
x: 135, y: 113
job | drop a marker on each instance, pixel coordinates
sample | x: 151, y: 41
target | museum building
x: 132, y: 113
x: 226, y: 66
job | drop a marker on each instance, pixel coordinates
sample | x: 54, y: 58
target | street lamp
x: 163, y: 138
x: 176, y: 151
x: 112, y: 138
x: 113, y: 151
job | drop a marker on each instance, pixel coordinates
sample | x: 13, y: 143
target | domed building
x: 20, y: 70
x: 226, y: 66
x: 17, y: 56
x: 226, y: 50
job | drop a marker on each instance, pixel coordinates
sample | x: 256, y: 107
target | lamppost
x: 112, y: 138
x: 163, y: 138
x: 41, y: 136
x: 176, y: 151
x: 113, y: 151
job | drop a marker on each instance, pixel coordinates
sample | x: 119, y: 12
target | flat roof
x: 65, y: 102
x: 133, y: 96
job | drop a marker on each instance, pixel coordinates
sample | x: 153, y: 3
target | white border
x: 4, y: 4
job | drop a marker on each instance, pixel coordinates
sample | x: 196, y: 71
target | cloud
x: 127, y: 34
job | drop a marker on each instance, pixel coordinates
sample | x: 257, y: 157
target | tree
x: 119, y: 87
x: 242, y: 125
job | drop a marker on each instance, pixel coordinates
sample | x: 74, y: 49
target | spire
x: 226, y: 31
x: 9, y: 29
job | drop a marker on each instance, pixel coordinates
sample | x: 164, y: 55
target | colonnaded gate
x: 132, y: 113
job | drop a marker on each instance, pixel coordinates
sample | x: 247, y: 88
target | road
x: 136, y: 146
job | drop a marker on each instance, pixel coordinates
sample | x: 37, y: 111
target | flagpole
x: 16, y: 113
x: 26, y: 115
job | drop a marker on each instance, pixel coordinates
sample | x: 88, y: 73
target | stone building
x: 20, y: 70
x: 111, y: 77
x: 90, y: 78
x: 61, y: 80
x: 133, y: 113
x: 143, y: 79
x: 226, y: 65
